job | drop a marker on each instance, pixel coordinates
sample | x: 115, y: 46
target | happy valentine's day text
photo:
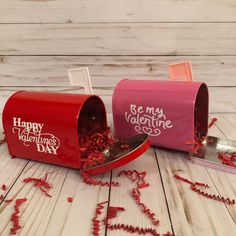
x: 31, y: 132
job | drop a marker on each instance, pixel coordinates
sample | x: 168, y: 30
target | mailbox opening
x: 92, y: 116
x: 200, y: 112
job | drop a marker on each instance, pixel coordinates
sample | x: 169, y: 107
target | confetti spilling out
x: 70, y: 199
x: 41, y: 184
x: 92, y: 144
x: 203, y: 193
x: 15, y: 216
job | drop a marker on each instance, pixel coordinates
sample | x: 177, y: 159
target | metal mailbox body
x: 170, y: 112
x: 45, y: 126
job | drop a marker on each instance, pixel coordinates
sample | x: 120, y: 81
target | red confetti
x: 90, y: 181
x: 213, y: 121
x: 15, y: 216
x: 112, y: 213
x: 136, y: 196
x: 1, y: 197
x: 212, y: 196
x: 95, y: 220
x: 227, y: 159
x: 41, y: 184
x: 203, y: 193
x: 4, y: 187
x: 92, y: 144
x: 8, y: 200
x: 139, y: 179
x: 70, y: 199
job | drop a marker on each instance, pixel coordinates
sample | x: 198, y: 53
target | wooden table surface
x: 180, y: 210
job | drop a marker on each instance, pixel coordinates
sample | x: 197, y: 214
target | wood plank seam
x: 163, y: 187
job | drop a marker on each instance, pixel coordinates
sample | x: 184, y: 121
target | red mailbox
x: 45, y: 127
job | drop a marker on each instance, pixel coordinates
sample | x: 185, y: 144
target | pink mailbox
x: 170, y: 112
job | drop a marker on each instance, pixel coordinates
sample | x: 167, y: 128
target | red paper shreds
x: 227, y: 159
x: 2, y: 141
x: 212, y: 196
x: 4, y: 187
x: 168, y: 234
x: 136, y: 196
x: 15, y: 216
x: 92, y: 144
x: 203, y: 193
x: 90, y: 181
x: 8, y: 200
x: 112, y: 213
x: 1, y: 197
x: 95, y: 220
x: 213, y: 121
x: 198, y: 138
x: 70, y: 199
x: 135, y: 176
x: 41, y: 184
x: 139, y: 179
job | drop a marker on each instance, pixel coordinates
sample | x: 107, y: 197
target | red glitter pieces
x: 205, y: 194
x: 70, y: 199
x: 90, y: 181
x: 4, y: 187
x: 15, y: 216
x: 213, y: 121
x: 41, y: 183
x: 139, y: 179
x: 227, y: 159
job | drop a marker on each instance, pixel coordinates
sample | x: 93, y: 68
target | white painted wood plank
x: 190, y: 213
x: 222, y: 99
x: 35, y: 212
x: 54, y: 216
x: 153, y: 196
x: 76, y: 218
x: 119, y: 39
x: 10, y: 168
x: 227, y: 124
x: 106, y: 71
x: 116, y: 11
